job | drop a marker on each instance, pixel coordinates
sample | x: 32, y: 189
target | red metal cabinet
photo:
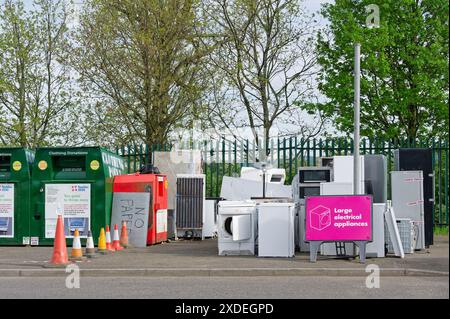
x: 156, y: 184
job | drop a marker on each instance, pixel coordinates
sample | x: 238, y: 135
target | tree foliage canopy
x: 404, y: 65
x: 139, y: 63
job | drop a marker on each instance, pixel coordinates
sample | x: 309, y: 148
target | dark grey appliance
x: 326, y: 161
x: 309, y: 189
x: 309, y: 179
x: 314, y: 174
x: 190, y: 199
x: 216, y: 201
x: 375, y: 177
x: 171, y: 227
x: 420, y: 159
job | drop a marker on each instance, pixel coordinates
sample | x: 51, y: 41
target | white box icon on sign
x: 320, y: 217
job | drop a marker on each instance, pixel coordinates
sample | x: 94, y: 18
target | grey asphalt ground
x: 199, y: 258
x: 226, y: 287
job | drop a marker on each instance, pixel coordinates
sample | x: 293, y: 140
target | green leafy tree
x: 139, y: 65
x: 404, y: 63
x: 36, y: 96
x: 266, y: 64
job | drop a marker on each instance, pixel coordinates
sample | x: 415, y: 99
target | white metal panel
x: 394, y: 234
x: 376, y: 247
x: 238, y: 189
x: 276, y: 230
x: 336, y: 188
x: 241, y: 227
x: 255, y: 174
x: 343, y: 169
x: 209, y: 226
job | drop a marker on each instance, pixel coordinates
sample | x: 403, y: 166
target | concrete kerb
x: 222, y: 272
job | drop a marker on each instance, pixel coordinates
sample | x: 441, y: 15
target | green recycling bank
x: 15, y: 174
x: 74, y: 182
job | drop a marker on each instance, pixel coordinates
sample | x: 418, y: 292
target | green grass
x: 441, y: 230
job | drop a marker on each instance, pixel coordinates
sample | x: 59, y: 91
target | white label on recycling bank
x: 6, y: 210
x: 34, y: 241
x: 161, y: 221
x: 74, y: 201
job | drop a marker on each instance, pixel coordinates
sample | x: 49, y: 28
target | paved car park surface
x: 192, y: 269
x: 199, y: 258
x: 298, y: 287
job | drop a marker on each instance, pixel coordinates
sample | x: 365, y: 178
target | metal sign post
x: 356, y: 160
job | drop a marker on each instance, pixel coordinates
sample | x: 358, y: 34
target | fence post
x: 320, y: 148
x: 314, y: 152
x: 446, y: 177
x: 272, y: 151
x: 440, y: 180
x: 290, y: 159
x: 295, y: 156
x: 217, y: 166
x: 278, y: 152
x: 246, y: 153
x: 433, y: 165
x: 223, y: 156
x: 308, y: 149
x: 235, y: 156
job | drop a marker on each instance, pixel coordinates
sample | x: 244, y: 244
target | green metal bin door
x: 14, y: 195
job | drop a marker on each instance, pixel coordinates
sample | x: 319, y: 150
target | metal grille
x: 407, y: 235
x: 189, y: 208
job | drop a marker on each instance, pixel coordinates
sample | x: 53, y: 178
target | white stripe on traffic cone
x: 116, y: 240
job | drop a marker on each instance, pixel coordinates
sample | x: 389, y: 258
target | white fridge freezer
x: 408, y: 200
x: 276, y: 229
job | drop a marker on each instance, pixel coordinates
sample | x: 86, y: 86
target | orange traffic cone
x: 124, y: 236
x: 59, y: 250
x: 76, y: 253
x: 102, y: 242
x: 108, y: 240
x: 116, y: 244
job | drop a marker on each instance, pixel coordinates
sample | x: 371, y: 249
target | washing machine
x: 237, y: 222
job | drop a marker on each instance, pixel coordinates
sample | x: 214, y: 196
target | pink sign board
x: 339, y: 218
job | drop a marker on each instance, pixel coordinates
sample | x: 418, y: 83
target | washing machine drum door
x: 240, y: 227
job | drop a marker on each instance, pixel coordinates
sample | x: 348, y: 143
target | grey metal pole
x: 356, y: 158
